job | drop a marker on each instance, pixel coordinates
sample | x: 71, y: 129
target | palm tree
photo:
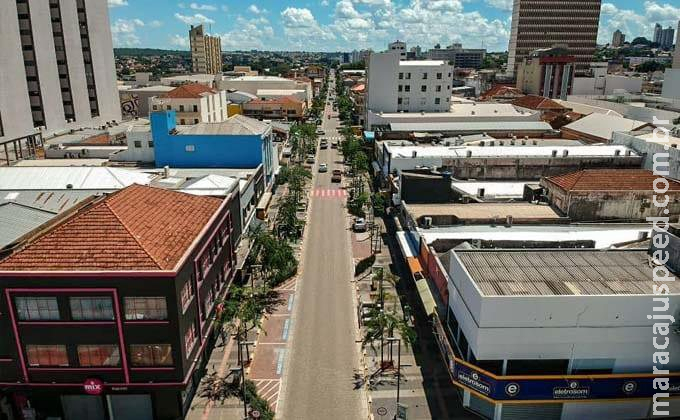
x: 382, y: 324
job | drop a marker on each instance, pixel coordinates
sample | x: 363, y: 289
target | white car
x: 323, y: 167
x: 360, y: 225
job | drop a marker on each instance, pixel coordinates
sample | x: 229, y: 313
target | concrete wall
x: 648, y: 150
x: 207, y: 151
x: 628, y: 111
x: 605, y: 206
x: 671, y: 84
x: 381, y: 82
x: 144, y: 153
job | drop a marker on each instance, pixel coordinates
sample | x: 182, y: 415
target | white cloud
x: 123, y: 32
x: 196, y: 19
x: 204, y: 7
x: 634, y: 24
x: 505, y: 5
x: 256, y: 10
x: 155, y: 24
x: 179, y: 41
x: 117, y: 3
x: 303, y: 31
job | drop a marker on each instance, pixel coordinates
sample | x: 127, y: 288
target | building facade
x: 122, y: 330
x: 206, y: 51
x: 540, y: 24
x: 457, y: 55
x: 395, y: 85
x: 548, y: 72
x: 398, y: 46
x: 57, y: 71
x: 618, y: 39
x: 193, y: 103
x: 281, y: 108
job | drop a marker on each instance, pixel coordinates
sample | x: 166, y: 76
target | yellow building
x: 206, y: 52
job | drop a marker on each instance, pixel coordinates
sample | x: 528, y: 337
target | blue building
x: 238, y: 142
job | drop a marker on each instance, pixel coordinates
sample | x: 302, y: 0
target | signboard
x: 557, y: 388
x: 93, y: 386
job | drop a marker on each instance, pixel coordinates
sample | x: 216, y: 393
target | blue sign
x: 567, y: 388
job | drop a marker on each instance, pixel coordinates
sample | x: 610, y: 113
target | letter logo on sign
x: 629, y: 387
x: 512, y: 389
x: 93, y: 386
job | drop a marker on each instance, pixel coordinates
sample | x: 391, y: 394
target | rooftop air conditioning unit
x: 565, y: 153
x: 508, y: 220
x: 482, y: 143
x: 469, y: 153
x: 617, y: 152
x: 427, y: 222
x: 477, y: 243
x: 630, y: 152
x: 414, y: 154
x: 492, y: 143
x: 554, y: 153
x: 481, y: 192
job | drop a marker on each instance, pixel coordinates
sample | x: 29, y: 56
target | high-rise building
x: 547, y: 72
x: 538, y: 24
x: 206, y: 51
x: 667, y: 37
x: 676, y: 54
x: 618, y: 39
x: 459, y: 56
x: 57, y: 70
x: 657, y: 33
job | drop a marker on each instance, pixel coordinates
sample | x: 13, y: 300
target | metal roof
x: 560, y: 272
x: 234, y: 125
x: 406, y: 152
x: 52, y: 201
x: 17, y: 220
x: 603, y: 126
x: 72, y: 178
x: 474, y: 126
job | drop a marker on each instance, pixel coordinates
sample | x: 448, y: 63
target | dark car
x: 337, y: 175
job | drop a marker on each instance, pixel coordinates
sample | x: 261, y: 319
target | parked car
x: 337, y: 175
x: 310, y: 159
x: 324, y: 144
x: 323, y: 167
x: 360, y: 225
x: 320, y: 132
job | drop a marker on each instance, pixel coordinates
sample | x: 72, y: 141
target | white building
x: 57, y: 70
x: 398, y: 46
x: 252, y: 84
x: 671, y: 82
x: 395, y: 85
x: 193, y: 103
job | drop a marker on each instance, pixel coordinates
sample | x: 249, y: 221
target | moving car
x: 324, y: 144
x: 334, y: 145
x: 360, y: 225
x: 337, y: 175
x: 323, y: 167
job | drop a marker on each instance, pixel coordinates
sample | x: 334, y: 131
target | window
x: 182, y: 121
x: 155, y: 107
x: 189, y: 148
x: 401, y: 88
x: 406, y: 101
x: 437, y: 101
x: 91, y: 308
x: 195, y: 120
x: 204, y: 266
x: 151, y: 354
x: 143, y: 308
x: 189, y: 338
x: 423, y: 88
x: 168, y: 107
x: 37, y: 308
x: 98, y: 355
x: 439, y: 76
x: 196, y: 110
x: 138, y: 144
x: 424, y: 76
x: 181, y: 108
x: 399, y: 100
x: 150, y: 143
x: 401, y: 76
x: 208, y: 301
x: 186, y: 294
x: 50, y: 355
x: 408, y: 76
x: 439, y: 88
x: 407, y: 88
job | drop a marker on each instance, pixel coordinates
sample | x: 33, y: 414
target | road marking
x: 279, y: 361
x: 291, y: 299
x: 286, y: 328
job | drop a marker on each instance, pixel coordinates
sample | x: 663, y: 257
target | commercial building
x: 544, y: 24
x: 278, y: 108
x: 618, y: 39
x: 238, y: 142
x: 253, y: 84
x: 116, y: 322
x: 458, y: 56
x: 559, y: 334
x: 598, y: 128
x: 134, y: 101
x: 547, y: 72
x: 57, y: 72
x: 395, y: 85
x: 595, y: 195
x: 206, y: 51
x: 649, y: 144
x: 193, y: 103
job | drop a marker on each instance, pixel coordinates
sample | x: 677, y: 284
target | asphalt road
x: 323, y: 352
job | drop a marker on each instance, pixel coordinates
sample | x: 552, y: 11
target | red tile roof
x: 189, y: 91
x: 501, y: 91
x: 358, y: 88
x: 136, y: 229
x: 538, y: 103
x: 609, y: 180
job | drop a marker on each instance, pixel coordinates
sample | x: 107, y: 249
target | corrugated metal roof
x: 17, y: 220
x: 406, y: 152
x: 78, y: 178
x: 473, y: 126
x: 560, y: 272
x: 52, y: 201
x: 234, y: 125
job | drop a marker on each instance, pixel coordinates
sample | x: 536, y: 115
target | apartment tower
x: 206, y: 51
x: 57, y: 70
x: 539, y: 24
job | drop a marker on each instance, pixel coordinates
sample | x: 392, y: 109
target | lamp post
x: 398, y: 340
x: 242, y: 370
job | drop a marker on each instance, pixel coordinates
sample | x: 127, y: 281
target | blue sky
x: 344, y: 25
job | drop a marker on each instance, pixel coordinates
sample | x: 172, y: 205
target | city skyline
x: 345, y: 25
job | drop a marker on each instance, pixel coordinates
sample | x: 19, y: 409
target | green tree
x: 275, y: 256
x: 381, y: 324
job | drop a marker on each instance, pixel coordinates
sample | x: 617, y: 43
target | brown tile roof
x: 538, y: 103
x: 501, y: 91
x: 189, y: 91
x: 138, y: 228
x: 609, y: 180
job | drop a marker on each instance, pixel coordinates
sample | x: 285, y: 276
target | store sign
x: 93, y: 386
x: 556, y: 388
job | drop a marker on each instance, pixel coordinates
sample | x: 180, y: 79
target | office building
x: 398, y: 46
x: 458, y: 56
x: 289, y: 108
x: 206, y: 51
x: 57, y: 71
x: 395, y: 85
x: 116, y: 323
x: 547, y: 72
x: 546, y: 23
x: 658, y: 29
x: 618, y: 39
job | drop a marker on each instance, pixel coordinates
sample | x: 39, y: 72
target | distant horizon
x: 347, y: 25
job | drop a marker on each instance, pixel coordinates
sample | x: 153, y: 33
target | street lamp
x: 398, y: 340
x: 242, y: 370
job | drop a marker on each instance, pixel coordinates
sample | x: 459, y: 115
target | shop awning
x: 426, y: 297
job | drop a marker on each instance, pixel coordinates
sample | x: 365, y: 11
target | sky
x: 346, y: 25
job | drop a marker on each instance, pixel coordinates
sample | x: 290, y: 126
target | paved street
x: 318, y: 377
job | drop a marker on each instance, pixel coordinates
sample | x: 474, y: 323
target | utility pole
x: 398, y: 340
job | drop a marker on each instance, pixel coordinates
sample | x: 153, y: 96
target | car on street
x: 324, y: 144
x: 334, y: 145
x: 310, y: 159
x: 360, y: 225
x: 323, y: 167
x: 320, y: 132
x: 337, y: 175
